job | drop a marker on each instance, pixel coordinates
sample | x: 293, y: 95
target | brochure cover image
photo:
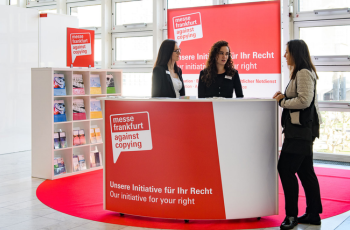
x: 59, y: 85
x: 56, y: 170
x: 56, y: 141
x: 82, y: 163
x: 61, y: 166
x: 63, y: 140
x: 75, y: 163
x: 82, y: 137
x: 98, y: 135
x: 95, y: 109
x: 76, y: 139
x: 78, y: 84
x: 95, y: 84
x: 79, y: 109
x: 110, y: 84
x: 92, y: 136
x: 59, y: 111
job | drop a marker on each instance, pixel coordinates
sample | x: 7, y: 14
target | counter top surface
x: 120, y: 98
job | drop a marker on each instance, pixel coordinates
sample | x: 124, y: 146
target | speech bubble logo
x: 80, y: 44
x: 130, y: 132
x: 187, y: 27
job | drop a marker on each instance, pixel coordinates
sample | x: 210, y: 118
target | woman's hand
x: 276, y: 94
x: 279, y: 97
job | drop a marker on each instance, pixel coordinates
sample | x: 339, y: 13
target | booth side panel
x: 42, y: 123
x: 247, y: 146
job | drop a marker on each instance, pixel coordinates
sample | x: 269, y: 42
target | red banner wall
x: 252, y: 30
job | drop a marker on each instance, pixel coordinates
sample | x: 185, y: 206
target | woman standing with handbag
x: 300, y: 121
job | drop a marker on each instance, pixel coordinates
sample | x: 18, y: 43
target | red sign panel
x: 80, y: 47
x: 253, y: 31
x: 156, y: 171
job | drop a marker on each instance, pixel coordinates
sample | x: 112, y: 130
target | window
x: 333, y: 86
x: 88, y: 13
x: 320, y: 9
x: 327, y: 40
x: 137, y: 84
x: 334, y: 133
x: 134, y: 12
x: 98, y: 50
x: 172, y: 4
x: 311, y: 5
x: 134, y: 48
x: 34, y: 3
x: 13, y: 2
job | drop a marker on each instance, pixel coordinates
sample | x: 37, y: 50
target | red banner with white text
x: 253, y: 32
x: 80, y: 47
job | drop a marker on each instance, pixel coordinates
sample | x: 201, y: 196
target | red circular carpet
x: 82, y: 196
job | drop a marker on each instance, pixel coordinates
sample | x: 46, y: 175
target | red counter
x: 191, y: 159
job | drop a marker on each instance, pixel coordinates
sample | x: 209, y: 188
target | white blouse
x: 177, y: 86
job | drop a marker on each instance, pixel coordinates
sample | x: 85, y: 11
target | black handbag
x: 304, y: 125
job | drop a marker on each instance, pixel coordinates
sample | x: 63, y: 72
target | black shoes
x: 310, y: 218
x: 289, y: 222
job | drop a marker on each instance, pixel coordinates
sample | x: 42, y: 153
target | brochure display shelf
x: 44, y: 127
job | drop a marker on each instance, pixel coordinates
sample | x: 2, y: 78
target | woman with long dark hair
x: 167, y: 76
x: 219, y: 78
x: 301, y: 122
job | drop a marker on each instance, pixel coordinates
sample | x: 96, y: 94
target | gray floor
x: 20, y: 208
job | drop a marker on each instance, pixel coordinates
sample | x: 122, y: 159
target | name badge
x: 228, y: 77
x: 167, y: 72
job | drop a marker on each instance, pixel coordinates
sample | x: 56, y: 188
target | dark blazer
x: 162, y: 85
x: 221, y: 87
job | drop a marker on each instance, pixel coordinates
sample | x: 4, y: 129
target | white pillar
x: 158, y: 25
x: 21, y: 3
x: 61, y: 7
x: 106, y: 35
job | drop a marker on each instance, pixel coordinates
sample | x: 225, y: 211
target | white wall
x: 53, y: 39
x: 18, y: 54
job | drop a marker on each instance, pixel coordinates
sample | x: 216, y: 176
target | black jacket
x: 221, y: 87
x: 162, y: 85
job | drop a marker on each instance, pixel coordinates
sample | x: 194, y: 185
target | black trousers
x: 288, y: 165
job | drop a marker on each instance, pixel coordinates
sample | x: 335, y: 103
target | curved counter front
x: 191, y: 159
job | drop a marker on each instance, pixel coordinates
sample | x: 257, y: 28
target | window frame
x: 39, y: 3
x: 82, y: 4
x: 46, y: 7
x: 310, y: 15
x: 121, y: 64
x: 334, y: 60
x: 122, y: 29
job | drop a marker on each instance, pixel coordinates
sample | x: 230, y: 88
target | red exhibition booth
x: 191, y: 159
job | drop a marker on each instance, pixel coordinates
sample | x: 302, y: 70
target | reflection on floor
x: 20, y: 209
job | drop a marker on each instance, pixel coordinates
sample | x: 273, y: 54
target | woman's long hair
x: 299, y: 52
x: 165, y: 53
x: 211, y: 71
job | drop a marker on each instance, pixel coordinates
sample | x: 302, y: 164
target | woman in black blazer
x: 167, y: 76
x: 219, y: 77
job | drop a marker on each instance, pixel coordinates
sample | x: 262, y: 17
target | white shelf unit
x: 43, y: 125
